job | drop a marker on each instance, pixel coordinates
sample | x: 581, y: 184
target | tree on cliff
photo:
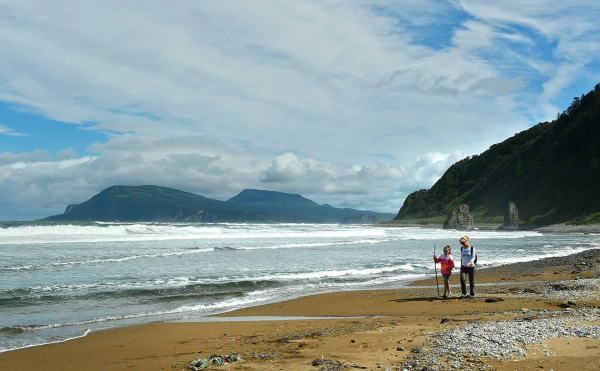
x: 551, y: 171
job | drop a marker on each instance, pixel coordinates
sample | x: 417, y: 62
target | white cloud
x: 290, y: 71
x: 347, y: 102
x: 368, y: 184
x: 284, y: 168
x: 40, y: 187
x: 66, y: 154
x: 8, y: 158
x: 570, y: 29
x: 8, y: 131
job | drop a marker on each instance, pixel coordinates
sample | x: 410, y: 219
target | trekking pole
x: 435, y: 267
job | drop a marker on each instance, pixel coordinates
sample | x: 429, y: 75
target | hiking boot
x: 463, y: 296
x: 444, y: 297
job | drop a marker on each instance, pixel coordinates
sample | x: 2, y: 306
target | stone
x: 400, y: 348
x: 417, y: 349
x: 511, y: 218
x: 460, y: 218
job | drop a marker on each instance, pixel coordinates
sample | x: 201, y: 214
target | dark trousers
x: 463, y: 279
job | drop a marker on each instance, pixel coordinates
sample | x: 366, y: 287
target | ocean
x: 62, y: 281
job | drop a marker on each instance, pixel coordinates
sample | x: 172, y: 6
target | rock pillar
x: 511, y: 217
x: 460, y: 218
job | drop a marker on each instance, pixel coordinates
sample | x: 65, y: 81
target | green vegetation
x: 551, y: 171
x: 586, y: 219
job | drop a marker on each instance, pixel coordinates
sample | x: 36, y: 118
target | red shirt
x: 447, y: 263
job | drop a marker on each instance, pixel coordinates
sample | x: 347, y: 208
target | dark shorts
x: 446, y: 277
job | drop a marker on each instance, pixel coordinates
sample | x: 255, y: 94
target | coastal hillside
x: 153, y: 203
x: 551, y: 171
x: 295, y: 205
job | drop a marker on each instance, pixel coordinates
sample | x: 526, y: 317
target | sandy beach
x: 535, y: 315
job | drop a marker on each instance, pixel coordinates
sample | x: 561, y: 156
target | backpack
x: 474, y: 261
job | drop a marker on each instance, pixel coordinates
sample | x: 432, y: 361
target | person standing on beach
x: 468, y: 256
x: 447, y: 264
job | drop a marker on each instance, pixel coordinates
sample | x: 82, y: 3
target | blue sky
x: 350, y: 103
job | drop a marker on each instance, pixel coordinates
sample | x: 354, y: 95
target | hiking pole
x: 435, y: 267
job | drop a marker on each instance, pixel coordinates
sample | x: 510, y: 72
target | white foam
x: 309, y: 245
x: 114, y: 286
x: 338, y: 273
x: 16, y: 268
x: 133, y: 257
x: 485, y: 261
x: 68, y: 233
x: 53, y: 341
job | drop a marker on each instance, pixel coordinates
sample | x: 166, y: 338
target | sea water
x: 62, y: 281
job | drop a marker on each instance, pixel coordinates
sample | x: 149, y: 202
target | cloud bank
x: 212, y: 170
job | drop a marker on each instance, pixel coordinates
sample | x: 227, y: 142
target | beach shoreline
x: 360, y: 328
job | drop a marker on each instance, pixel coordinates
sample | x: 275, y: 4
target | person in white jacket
x: 468, y: 258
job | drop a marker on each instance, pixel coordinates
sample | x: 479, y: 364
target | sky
x: 350, y: 103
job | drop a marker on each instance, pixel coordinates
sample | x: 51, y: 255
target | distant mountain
x: 551, y: 171
x: 152, y: 203
x: 297, y: 206
x: 257, y: 197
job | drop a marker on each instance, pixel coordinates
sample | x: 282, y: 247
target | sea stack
x: 511, y: 218
x: 460, y: 218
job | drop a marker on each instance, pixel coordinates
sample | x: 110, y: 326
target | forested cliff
x: 551, y: 171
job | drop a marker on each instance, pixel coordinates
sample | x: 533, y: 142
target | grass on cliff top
x: 586, y: 219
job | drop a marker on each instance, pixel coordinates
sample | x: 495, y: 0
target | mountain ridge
x: 149, y: 203
x: 295, y: 204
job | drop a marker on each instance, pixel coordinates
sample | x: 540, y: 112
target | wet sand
x: 383, y: 321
